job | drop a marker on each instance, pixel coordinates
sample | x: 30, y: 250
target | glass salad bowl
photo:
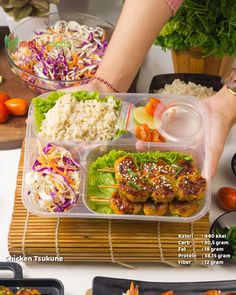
x: 57, y: 51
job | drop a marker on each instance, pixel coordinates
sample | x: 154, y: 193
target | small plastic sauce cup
x: 178, y: 121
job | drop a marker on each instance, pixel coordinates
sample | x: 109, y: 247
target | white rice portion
x: 180, y: 87
x: 88, y: 120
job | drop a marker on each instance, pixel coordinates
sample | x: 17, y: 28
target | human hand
x: 220, y: 123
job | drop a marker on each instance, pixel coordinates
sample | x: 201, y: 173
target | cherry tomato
x: 227, y: 198
x: 143, y: 132
x: 17, y: 106
x: 4, y: 113
x: 156, y: 136
x: 4, y: 96
x: 152, y: 105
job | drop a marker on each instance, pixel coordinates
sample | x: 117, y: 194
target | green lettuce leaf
x: 85, y: 95
x: 42, y: 106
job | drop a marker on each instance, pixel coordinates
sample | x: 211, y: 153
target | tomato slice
x: 143, y: 132
x: 152, y: 105
x: 156, y: 136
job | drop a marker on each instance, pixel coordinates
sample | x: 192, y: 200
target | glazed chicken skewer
x: 154, y: 187
x: 120, y: 205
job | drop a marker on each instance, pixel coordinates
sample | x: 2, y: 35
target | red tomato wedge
x: 156, y: 136
x: 152, y: 105
x: 143, y: 132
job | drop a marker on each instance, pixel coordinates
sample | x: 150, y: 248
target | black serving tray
x: 112, y: 286
x: 45, y: 286
x: 160, y: 81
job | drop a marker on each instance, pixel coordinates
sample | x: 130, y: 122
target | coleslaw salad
x: 54, y: 180
x: 66, y: 51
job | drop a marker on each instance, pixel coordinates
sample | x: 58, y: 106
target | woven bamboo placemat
x: 99, y: 240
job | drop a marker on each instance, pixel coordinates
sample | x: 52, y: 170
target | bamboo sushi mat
x: 100, y: 240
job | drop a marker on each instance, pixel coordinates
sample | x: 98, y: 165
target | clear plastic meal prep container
x: 190, y: 137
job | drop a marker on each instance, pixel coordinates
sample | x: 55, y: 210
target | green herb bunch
x: 208, y: 24
x: 22, y: 8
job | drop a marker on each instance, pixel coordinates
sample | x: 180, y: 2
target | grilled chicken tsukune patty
x: 137, y: 191
x: 123, y: 206
x: 153, y: 169
x: 186, y: 167
x: 190, y: 188
x: 183, y: 208
x: 163, y: 189
x: 151, y: 208
x: 125, y: 168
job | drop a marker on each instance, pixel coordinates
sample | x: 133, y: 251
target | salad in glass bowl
x: 57, y: 51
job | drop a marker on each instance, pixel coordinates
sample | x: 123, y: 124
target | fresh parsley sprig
x: 210, y: 25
